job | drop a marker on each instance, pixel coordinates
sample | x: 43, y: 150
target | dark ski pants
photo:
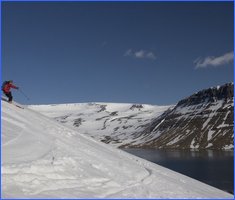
x: 9, y: 95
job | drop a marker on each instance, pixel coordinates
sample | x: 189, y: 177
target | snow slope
x: 41, y: 158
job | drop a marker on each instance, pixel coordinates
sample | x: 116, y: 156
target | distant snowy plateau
x: 48, y: 150
x: 201, y: 121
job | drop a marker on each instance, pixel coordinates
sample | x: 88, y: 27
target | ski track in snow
x: 41, y: 158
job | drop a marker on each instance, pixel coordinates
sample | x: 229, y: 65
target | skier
x: 6, y: 87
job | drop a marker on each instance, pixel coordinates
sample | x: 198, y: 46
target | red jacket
x: 8, y: 87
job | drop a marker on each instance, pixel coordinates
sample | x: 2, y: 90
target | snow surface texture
x: 42, y: 158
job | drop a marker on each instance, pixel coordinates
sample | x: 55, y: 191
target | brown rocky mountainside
x: 201, y: 121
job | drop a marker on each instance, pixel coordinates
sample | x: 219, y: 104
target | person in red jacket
x: 6, y: 88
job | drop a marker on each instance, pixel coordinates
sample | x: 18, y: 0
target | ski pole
x: 24, y: 94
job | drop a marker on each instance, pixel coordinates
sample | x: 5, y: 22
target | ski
x: 18, y: 106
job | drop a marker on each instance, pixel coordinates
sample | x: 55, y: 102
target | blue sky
x: 124, y: 52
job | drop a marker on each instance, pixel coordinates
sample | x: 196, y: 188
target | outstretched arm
x: 13, y: 86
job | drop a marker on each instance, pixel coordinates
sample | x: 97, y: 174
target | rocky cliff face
x: 201, y: 121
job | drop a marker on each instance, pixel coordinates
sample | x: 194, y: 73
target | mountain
x: 203, y: 120
x: 116, y: 124
x: 42, y: 158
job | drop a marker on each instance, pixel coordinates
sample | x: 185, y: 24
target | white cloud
x: 141, y: 54
x: 214, y: 61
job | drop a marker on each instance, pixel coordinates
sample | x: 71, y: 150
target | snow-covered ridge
x: 42, y: 158
x: 110, y: 107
